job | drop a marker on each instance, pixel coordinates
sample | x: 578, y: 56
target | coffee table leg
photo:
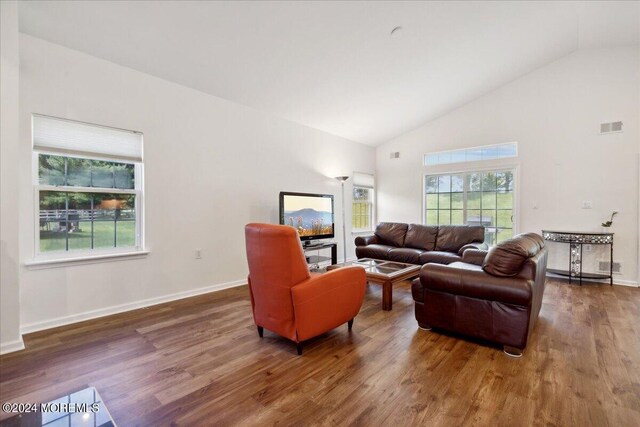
x: 387, y: 295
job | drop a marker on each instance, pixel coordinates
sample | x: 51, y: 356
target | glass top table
x: 81, y: 408
x: 386, y: 273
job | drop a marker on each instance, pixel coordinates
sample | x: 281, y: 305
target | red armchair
x: 286, y: 298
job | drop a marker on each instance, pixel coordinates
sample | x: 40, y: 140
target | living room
x: 228, y: 104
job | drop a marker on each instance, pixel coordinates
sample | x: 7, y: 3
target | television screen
x: 310, y: 214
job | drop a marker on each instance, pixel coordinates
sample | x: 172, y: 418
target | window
x: 362, y: 209
x: 487, y: 152
x: 474, y: 198
x: 88, y: 187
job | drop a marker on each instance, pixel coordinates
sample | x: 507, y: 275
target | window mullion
x: 465, y: 183
x: 66, y: 226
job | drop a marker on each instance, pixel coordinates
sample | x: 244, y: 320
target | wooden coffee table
x: 386, y: 273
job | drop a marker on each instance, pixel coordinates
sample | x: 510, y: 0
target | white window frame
x: 495, y: 165
x: 80, y: 255
x: 466, y: 151
x: 372, y: 203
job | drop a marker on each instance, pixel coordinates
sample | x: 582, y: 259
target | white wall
x: 9, y: 79
x: 554, y: 113
x: 211, y: 166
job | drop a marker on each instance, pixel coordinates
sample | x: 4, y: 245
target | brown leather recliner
x: 286, y: 298
x: 494, y: 295
x: 420, y: 244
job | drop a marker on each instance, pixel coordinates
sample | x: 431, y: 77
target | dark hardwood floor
x: 199, y: 361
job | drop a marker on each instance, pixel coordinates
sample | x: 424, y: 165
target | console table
x: 314, y: 259
x: 575, y: 240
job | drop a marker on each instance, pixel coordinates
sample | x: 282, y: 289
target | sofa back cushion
x: 391, y: 233
x: 506, y: 258
x: 452, y: 237
x: 421, y: 237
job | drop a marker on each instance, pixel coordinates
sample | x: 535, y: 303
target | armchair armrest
x: 476, y: 284
x: 366, y: 240
x: 324, y: 302
x: 474, y: 256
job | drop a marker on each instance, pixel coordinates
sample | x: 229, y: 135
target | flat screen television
x: 310, y: 214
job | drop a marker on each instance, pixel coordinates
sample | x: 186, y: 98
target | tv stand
x: 318, y: 246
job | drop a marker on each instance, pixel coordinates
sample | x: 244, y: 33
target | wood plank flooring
x: 199, y: 361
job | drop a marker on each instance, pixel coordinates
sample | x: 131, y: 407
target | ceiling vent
x: 394, y: 155
x: 613, y: 127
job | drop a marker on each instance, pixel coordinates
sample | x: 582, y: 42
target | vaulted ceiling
x: 335, y: 66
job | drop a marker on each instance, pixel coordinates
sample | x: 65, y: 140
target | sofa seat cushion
x: 391, y: 233
x: 373, y: 251
x: 421, y: 237
x: 468, y: 280
x: 408, y: 255
x: 439, y: 257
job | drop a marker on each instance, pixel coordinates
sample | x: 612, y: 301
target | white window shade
x: 364, y: 180
x: 69, y: 137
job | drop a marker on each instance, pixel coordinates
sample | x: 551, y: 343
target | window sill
x: 361, y: 232
x: 41, y: 263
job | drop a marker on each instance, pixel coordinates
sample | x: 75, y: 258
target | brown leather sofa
x: 420, y: 244
x: 494, y: 295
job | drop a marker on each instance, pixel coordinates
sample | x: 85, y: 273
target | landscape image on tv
x: 310, y: 215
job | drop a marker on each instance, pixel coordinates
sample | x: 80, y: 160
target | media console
x: 314, y: 259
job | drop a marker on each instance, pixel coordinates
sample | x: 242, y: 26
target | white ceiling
x: 333, y: 65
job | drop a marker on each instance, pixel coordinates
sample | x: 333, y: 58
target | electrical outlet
x: 587, y: 204
x: 198, y: 253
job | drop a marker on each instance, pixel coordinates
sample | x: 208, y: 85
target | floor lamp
x: 342, y: 179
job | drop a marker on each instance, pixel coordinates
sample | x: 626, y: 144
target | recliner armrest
x: 325, y: 301
x: 367, y: 240
x: 476, y: 284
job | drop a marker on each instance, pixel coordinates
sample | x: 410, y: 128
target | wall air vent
x: 612, y: 127
x: 394, y: 155
x: 604, y: 266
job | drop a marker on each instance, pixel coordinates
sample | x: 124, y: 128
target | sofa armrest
x: 479, y: 246
x: 474, y: 256
x: 323, y: 302
x: 476, y: 284
x: 366, y: 240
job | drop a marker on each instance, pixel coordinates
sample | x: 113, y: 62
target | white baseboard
x: 616, y: 281
x: 93, y: 314
x: 11, y: 346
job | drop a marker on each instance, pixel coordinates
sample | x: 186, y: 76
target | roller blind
x: 363, y: 180
x: 77, y: 138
